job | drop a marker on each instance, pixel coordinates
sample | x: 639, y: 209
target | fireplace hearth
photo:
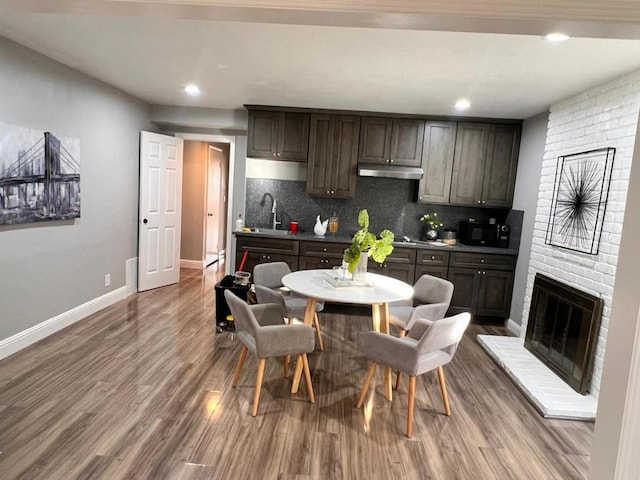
x: 563, y: 329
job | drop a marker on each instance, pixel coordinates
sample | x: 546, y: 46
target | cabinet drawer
x: 311, y: 263
x: 483, y: 260
x: 323, y: 249
x: 433, y: 257
x: 268, y: 245
x: 401, y: 255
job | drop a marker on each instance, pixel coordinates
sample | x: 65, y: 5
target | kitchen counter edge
x: 310, y: 237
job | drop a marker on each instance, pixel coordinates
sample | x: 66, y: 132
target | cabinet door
x: 466, y: 283
x: 434, y: 271
x: 469, y: 163
x: 293, y: 137
x: 500, y: 169
x: 262, y: 140
x: 437, y: 162
x: 344, y: 166
x: 494, y: 294
x: 407, y: 136
x: 395, y: 270
x: 321, y: 135
x: 375, y: 140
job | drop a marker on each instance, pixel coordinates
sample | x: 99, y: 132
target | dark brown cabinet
x: 321, y: 254
x: 333, y: 155
x: 437, y: 162
x: 266, y: 250
x: 484, y: 165
x: 432, y: 262
x: 278, y: 135
x: 400, y: 264
x: 483, y: 283
x: 395, y: 141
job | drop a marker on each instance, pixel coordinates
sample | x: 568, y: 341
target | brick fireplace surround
x: 604, y: 116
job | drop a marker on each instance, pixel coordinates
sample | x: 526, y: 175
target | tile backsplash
x: 390, y: 202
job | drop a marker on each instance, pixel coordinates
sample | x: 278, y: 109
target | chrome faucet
x: 274, y: 206
x: 275, y: 215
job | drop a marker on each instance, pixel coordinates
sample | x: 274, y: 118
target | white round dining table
x: 314, y: 285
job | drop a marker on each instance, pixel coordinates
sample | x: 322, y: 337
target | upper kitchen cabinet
x: 437, y: 162
x: 333, y: 155
x: 484, y: 166
x: 391, y: 140
x: 278, y: 135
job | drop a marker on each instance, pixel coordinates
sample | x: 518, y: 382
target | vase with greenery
x: 433, y: 224
x: 366, y: 243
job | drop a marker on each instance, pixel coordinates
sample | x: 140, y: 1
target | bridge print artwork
x: 39, y: 176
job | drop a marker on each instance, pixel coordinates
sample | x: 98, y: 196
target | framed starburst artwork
x: 580, y: 199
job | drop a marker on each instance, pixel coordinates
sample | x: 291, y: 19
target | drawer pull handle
x: 482, y: 261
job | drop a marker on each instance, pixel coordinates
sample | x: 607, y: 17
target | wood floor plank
x: 142, y: 390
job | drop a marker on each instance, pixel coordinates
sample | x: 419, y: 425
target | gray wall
x: 49, y: 268
x: 534, y: 135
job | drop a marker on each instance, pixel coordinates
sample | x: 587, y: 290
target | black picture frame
x: 579, y: 202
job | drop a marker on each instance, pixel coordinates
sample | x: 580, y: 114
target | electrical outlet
x: 107, y: 280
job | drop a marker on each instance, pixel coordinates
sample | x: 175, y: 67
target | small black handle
x: 145, y: 221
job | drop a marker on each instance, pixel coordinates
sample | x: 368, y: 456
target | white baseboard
x: 27, y: 337
x: 513, y: 327
x: 197, y: 264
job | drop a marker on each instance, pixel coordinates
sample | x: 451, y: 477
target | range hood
x: 389, y: 171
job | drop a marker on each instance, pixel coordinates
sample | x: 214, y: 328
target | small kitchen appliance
x: 484, y: 234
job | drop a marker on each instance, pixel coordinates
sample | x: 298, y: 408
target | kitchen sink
x: 271, y: 231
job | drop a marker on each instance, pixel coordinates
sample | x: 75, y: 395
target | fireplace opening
x: 563, y: 329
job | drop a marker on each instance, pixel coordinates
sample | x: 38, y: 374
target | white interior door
x: 160, y: 210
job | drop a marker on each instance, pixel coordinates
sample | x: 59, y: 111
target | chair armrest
x: 398, y: 353
x: 431, y: 311
x: 280, y: 340
x: 267, y: 314
x: 420, y: 326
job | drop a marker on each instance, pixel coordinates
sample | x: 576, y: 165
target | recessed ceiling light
x: 557, y: 37
x: 192, y: 89
x: 462, y: 104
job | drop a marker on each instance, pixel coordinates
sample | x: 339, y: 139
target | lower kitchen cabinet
x: 431, y: 262
x: 484, y: 285
x: 483, y: 282
x: 266, y: 250
x: 320, y: 255
x: 400, y: 264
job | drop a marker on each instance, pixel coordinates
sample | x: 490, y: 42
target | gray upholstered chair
x: 428, y: 346
x: 269, y: 276
x: 431, y: 299
x: 262, y: 331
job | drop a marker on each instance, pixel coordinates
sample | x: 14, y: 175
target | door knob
x: 145, y: 221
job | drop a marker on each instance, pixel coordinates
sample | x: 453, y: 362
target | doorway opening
x: 217, y: 195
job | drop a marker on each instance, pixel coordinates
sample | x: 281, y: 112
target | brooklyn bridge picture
x: 39, y: 176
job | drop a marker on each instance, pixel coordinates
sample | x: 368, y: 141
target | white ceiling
x: 152, y: 53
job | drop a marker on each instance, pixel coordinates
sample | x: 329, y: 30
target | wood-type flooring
x: 142, y: 390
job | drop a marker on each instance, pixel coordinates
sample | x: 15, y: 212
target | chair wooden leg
x: 256, y: 395
x: 307, y: 377
x: 243, y: 357
x: 443, y: 387
x: 412, y: 398
x: 398, y: 374
x: 316, y: 323
x: 287, y: 360
x: 365, y: 387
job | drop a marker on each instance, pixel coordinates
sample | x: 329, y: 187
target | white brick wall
x: 605, y: 116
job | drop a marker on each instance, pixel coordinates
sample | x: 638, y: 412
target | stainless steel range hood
x: 389, y: 171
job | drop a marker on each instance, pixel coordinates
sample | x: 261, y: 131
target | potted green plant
x: 366, y: 243
x: 431, y: 219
